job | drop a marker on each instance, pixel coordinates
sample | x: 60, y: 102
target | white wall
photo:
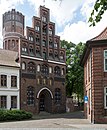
x: 8, y: 91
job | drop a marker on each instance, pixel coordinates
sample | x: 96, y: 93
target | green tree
x: 99, y: 8
x: 74, y: 75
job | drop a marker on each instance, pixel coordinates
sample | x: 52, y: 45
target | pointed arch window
x: 30, y: 95
x: 23, y: 66
x: 57, y: 96
x: 57, y: 71
x: 44, y: 69
x: 31, y: 37
x: 31, y: 67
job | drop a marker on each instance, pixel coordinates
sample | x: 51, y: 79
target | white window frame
x: 105, y: 57
x: 105, y: 94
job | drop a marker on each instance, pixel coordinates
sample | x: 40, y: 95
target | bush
x: 16, y: 115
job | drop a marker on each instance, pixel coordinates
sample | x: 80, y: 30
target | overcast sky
x: 70, y: 17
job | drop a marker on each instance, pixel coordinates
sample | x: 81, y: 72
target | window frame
x: 13, y: 81
x: 3, y: 80
x: 105, y: 57
x: 105, y: 94
x: 14, y: 102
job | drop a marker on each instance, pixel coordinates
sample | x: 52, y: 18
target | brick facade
x: 94, y: 88
x: 42, y: 60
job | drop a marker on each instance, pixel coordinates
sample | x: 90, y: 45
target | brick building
x: 94, y: 61
x: 42, y: 61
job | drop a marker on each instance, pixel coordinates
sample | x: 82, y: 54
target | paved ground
x: 68, y: 120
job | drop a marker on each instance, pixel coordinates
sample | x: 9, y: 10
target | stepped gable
x: 8, y: 58
x: 101, y: 36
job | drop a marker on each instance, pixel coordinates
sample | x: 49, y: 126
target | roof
x: 101, y: 36
x: 7, y: 58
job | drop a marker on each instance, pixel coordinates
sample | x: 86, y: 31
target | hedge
x: 14, y: 115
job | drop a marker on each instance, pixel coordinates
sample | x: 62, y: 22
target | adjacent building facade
x: 41, y: 58
x: 9, y: 83
x: 94, y: 61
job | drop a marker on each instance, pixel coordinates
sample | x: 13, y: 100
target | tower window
x: 37, y: 28
x: 43, y: 19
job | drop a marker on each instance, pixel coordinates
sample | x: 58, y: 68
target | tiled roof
x: 101, y: 36
x: 8, y: 58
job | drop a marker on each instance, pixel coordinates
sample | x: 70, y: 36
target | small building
x: 9, y: 80
x: 94, y: 61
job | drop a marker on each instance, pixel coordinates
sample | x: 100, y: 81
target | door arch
x: 45, y: 97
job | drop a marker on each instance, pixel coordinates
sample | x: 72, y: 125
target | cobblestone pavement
x: 73, y: 120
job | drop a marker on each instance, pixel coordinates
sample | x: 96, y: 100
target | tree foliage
x: 74, y: 76
x: 99, y: 8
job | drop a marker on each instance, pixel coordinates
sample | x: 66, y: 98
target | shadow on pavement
x: 72, y: 115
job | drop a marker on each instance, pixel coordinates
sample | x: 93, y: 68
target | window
x: 56, y: 55
x: 55, y: 45
x: 3, y: 80
x: 44, y: 19
x: 44, y: 69
x: 105, y: 60
x: 57, y: 96
x: 105, y: 97
x: 57, y: 71
x: 31, y: 37
x: 44, y: 42
x: 38, y: 68
x: 23, y: 66
x: 13, y: 101
x: 50, y: 70
x: 37, y: 28
x: 30, y: 95
x: 50, y: 55
x: 24, y: 48
x: 37, y: 39
x: 62, y: 72
x: 13, y: 81
x: 31, y: 67
x: 31, y: 50
x: 50, y: 30
x: 50, y: 43
x: 3, y: 101
x: 38, y: 52
x: 61, y: 56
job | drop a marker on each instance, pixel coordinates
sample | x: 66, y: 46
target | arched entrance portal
x: 45, y: 97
